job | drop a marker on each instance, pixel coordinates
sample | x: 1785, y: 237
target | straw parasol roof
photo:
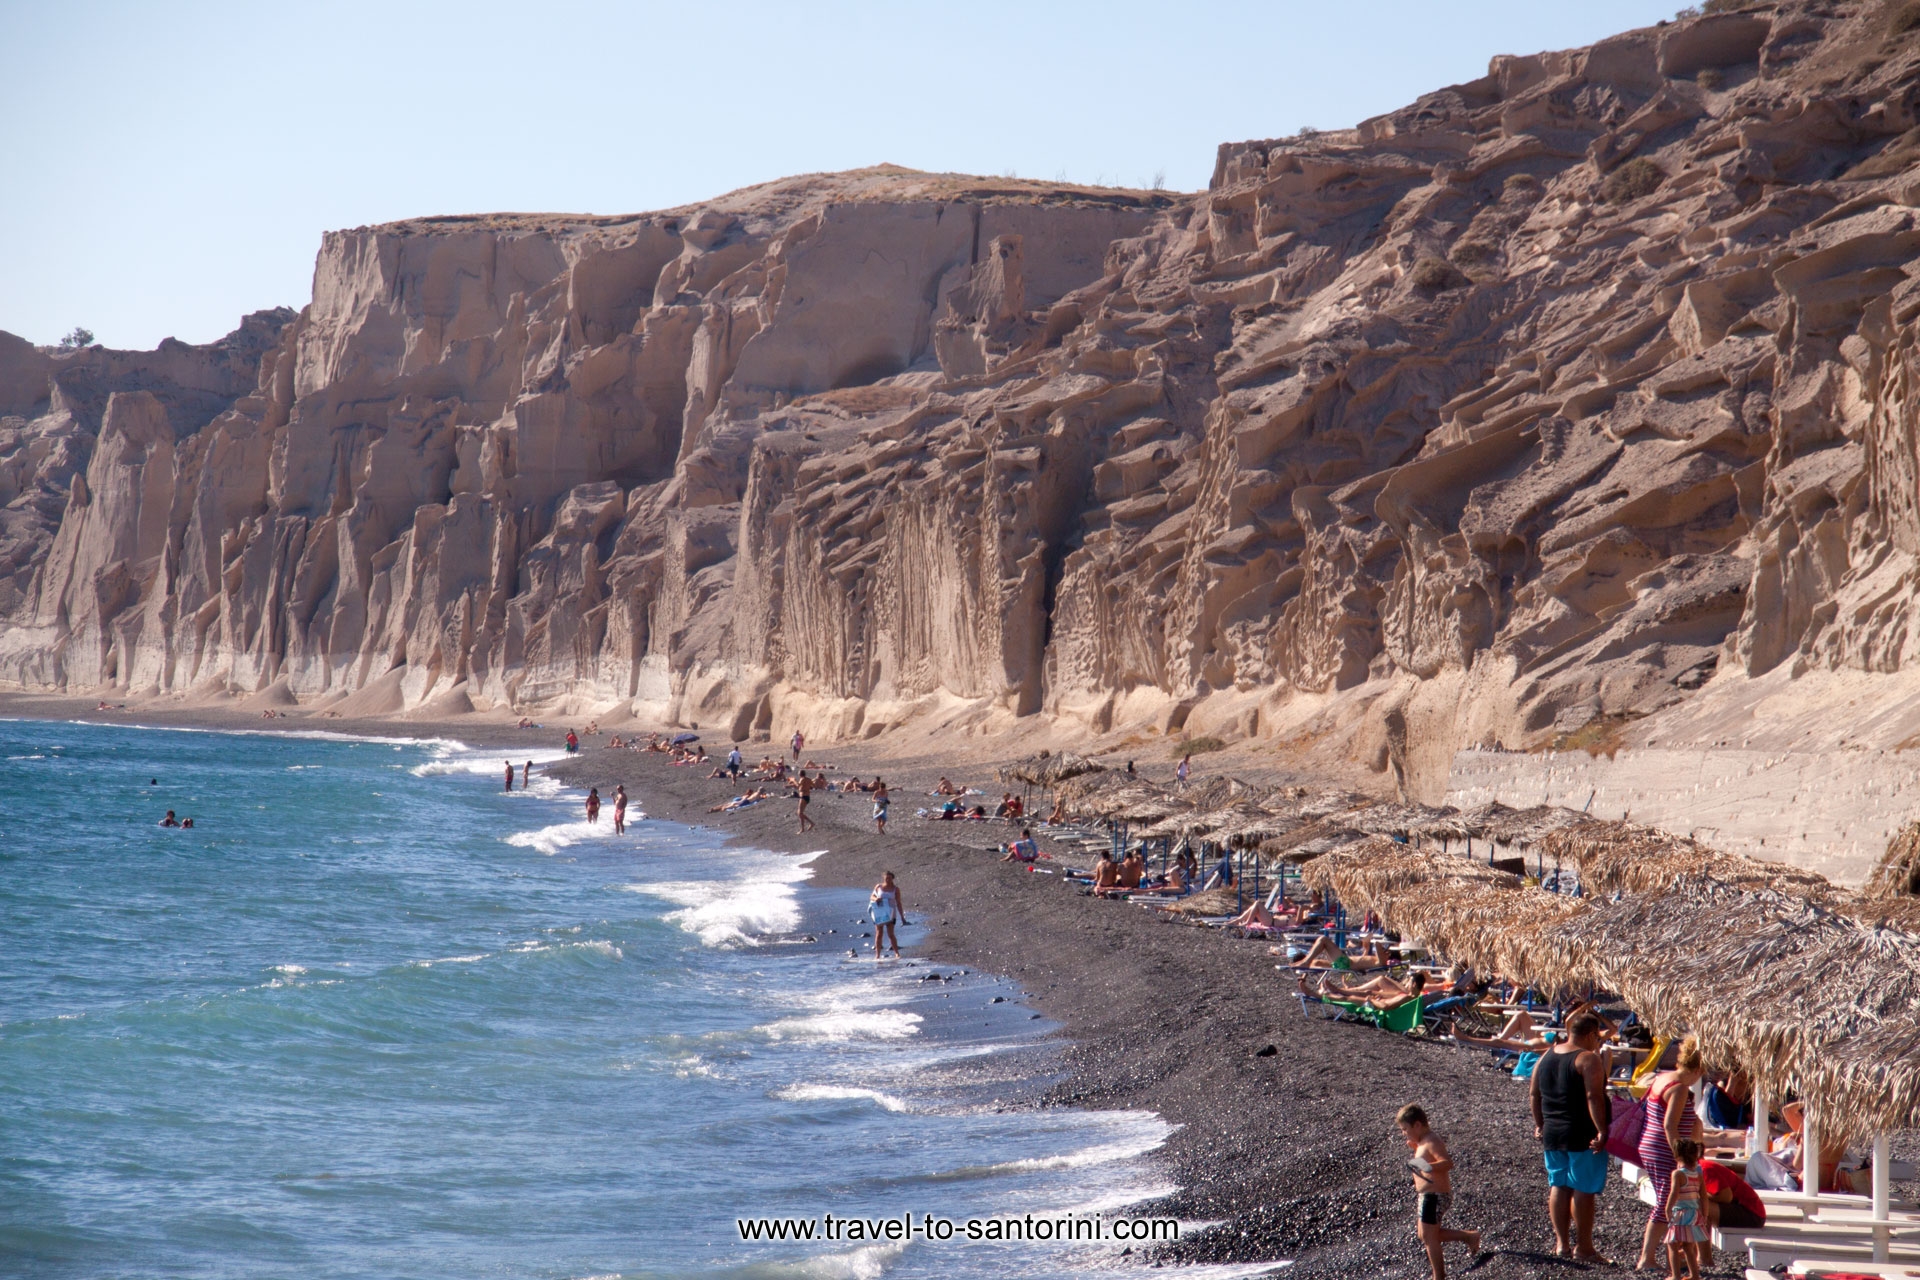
x: 1406, y: 820
x: 1898, y: 872
x: 1627, y: 857
x: 1459, y: 908
x: 1522, y: 828
x: 1047, y: 769
x: 1791, y: 985
x: 1314, y: 840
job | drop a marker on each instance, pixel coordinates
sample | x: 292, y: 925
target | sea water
x: 372, y: 1016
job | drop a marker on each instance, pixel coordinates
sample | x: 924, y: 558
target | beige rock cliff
x: 1548, y: 406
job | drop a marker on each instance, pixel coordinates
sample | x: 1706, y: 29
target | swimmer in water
x: 169, y: 820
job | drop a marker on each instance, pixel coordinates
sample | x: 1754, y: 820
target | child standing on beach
x: 1432, y: 1188
x: 1686, y: 1228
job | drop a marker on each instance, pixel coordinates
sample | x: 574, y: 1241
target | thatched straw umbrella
x: 1456, y: 907
x: 1628, y: 858
x: 1898, y: 872
x: 1404, y: 820
x: 1047, y: 769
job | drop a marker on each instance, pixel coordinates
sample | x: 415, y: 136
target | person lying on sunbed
x: 1519, y: 1034
x: 1326, y: 954
x: 1382, y: 991
x: 1273, y: 914
x: 1387, y: 998
x: 1174, y: 880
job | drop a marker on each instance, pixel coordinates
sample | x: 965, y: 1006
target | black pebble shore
x: 1293, y: 1155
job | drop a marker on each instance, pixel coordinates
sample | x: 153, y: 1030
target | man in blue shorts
x: 1570, y: 1117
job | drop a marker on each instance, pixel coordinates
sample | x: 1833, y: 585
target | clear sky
x: 170, y: 166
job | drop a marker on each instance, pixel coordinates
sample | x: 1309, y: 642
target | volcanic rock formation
x: 1525, y: 410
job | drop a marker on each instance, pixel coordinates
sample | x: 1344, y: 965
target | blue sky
x: 171, y: 166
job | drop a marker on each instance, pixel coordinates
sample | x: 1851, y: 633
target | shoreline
x: 1293, y: 1156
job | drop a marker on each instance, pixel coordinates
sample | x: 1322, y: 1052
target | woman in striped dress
x: 1669, y: 1119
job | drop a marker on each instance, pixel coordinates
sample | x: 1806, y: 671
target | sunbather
x: 1325, y: 953
x: 1059, y: 814
x: 1106, y: 872
x: 1126, y: 878
x: 947, y: 789
x: 1025, y: 849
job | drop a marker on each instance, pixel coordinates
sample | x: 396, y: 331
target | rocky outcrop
x: 1520, y: 414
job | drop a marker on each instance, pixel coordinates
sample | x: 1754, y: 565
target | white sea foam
x: 846, y: 1024
x: 561, y: 835
x: 739, y: 912
x: 866, y: 1263
x: 461, y: 761
x: 290, y: 969
x: 473, y: 959
x: 1146, y: 1133
x: 838, y: 1092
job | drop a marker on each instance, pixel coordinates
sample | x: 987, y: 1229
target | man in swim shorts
x: 1568, y: 1094
x: 620, y: 809
x: 805, y: 793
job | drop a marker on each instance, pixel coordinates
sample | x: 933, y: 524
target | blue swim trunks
x: 1582, y: 1171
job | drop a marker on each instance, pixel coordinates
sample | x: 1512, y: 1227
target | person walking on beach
x: 593, y: 804
x: 620, y: 809
x: 509, y: 775
x: 884, y: 908
x: 1568, y: 1094
x: 880, y: 803
x: 1184, y: 769
x: 733, y: 764
x: 573, y: 742
x: 806, y: 794
x: 1670, y: 1120
x: 1432, y: 1188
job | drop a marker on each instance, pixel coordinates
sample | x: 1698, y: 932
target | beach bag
x: 1628, y: 1122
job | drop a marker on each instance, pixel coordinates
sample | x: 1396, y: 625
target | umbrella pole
x: 1882, y: 1180
x: 1810, y: 1154
x: 1757, y: 1133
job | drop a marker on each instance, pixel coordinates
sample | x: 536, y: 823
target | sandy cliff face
x: 1509, y: 417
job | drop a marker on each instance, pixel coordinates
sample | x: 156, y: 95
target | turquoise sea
x: 370, y: 1017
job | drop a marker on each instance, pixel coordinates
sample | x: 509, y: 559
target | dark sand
x: 1295, y: 1156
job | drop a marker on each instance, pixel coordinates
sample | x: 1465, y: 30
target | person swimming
x: 169, y: 820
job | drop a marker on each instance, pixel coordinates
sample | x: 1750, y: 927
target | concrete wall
x: 1830, y: 812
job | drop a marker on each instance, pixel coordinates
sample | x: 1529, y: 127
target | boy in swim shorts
x: 1432, y: 1188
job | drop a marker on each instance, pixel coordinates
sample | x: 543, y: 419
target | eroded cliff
x: 1509, y: 417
